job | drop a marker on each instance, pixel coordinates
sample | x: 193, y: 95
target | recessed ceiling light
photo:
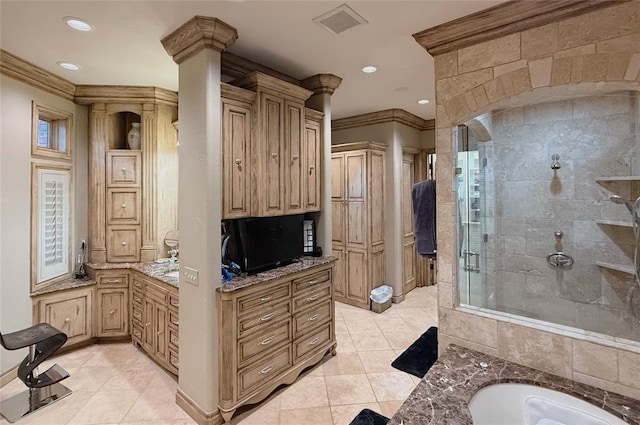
x: 69, y: 66
x: 369, y: 69
x: 77, y: 23
x: 423, y: 101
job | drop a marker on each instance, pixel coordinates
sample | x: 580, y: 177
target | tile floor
x: 118, y: 384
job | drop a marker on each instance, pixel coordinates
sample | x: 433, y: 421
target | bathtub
x: 521, y: 404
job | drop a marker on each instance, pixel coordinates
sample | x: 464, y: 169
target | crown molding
x: 198, y: 33
x: 501, y: 20
x: 87, y: 94
x: 345, y: 147
x: 313, y: 114
x: 14, y: 67
x: 236, y: 67
x: 388, y: 115
x: 257, y: 81
x: 322, y: 83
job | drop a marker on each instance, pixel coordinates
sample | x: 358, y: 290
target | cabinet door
x: 294, y: 154
x: 357, y: 289
x: 161, y: 319
x: 69, y: 312
x: 123, y: 243
x: 123, y: 206
x: 340, y: 276
x: 356, y: 192
x: 271, y: 199
x: 113, y: 317
x: 312, y: 167
x: 149, y: 334
x: 408, y: 236
x: 236, y: 139
x: 123, y: 168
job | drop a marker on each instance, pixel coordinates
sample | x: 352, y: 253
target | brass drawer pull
x: 313, y: 282
x: 267, y: 317
x: 314, y: 341
x: 265, y: 299
x: 137, y: 315
x: 111, y: 281
x: 175, y: 323
x: 313, y: 298
x: 266, y: 369
x: 137, y: 285
x: 175, y: 305
x: 137, y: 299
x: 314, y: 317
x: 176, y: 364
x: 137, y: 333
x: 112, y: 312
x: 266, y: 341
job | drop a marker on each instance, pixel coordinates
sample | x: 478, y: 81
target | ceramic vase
x: 133, y: 137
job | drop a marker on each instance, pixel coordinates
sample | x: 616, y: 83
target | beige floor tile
x: 401, y: 340
x: 258, y: 417
x: 341, y: 327
x: 357, y: 314
x: 349, y: 389
x: 105, y: 407
x: 370, y: 342
x: 362, y: 327
x: 310, y: 416
x: 391, y: 386
x: 345, y: 344
x: 343, y: 364
x: 393, y: 324
x: 150, y: 410
x: 343, y: 415
x: 389, y: 408
x: 378, y: 361
x: 89, y: 378
x: 187, y: 421
x: 309, y: 391
x: 60, y: 412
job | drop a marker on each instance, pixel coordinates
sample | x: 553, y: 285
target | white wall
x: 15, y: 200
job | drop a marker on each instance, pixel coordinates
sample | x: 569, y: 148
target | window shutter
x: 53, y: 224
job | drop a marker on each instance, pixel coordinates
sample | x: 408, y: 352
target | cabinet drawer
x: 123, y: 168
x: 259, y: 300
x: 174, y: 300
x: 112, y: 279
x: 311, y: 298
x: 156, y: 292
x: 136, y: 334
x: 136, y: 300
x: 252, y: 377
x: 311, y: 342
x: 123, y: 243
x: 174, y: 338
x: 174, y: 361
x: 123, y: 206
x: 267, y: 317
x: 136, y: 314
x: 263, y: 342
x: 174, y: 318
x: 137, y: 285
x: 311, y: 318
x: 311, y: 280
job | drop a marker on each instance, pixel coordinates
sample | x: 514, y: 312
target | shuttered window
x: 53, y: 224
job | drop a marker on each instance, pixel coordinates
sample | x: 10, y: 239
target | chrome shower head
x: 620, y: 200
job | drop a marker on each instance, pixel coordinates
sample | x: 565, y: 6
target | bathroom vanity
x: 272, y: 326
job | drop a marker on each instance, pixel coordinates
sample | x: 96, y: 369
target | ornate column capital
x: 322, y: 83
x: 198, y: 33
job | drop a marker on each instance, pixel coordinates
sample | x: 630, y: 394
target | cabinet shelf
x: 619, y: 267
x: 615, y: 223
x: 618, y: 179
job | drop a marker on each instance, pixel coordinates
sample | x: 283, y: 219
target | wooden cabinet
x: 278, y: 145
x: 154, y: 311
x: 311, y: 169
x: 357, y: 207
x: 270, y: 332
x: 237, y: 115
x: 112, y: 293
x: 133, y: 189
x: 69, y: 311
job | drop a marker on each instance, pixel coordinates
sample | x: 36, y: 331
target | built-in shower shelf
x: 618, y: 179
x: 615, y: 223
x: 619, y: 267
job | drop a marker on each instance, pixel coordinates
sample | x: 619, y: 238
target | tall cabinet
x: 357, y: 203
x: 133, y: 193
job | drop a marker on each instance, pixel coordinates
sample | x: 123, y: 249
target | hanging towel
x: 423, y: 195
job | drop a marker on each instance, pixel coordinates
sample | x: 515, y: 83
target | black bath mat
x: 369, y: 417
x: 421, y: 355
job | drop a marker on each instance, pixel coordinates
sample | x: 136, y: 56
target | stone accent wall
x: 591, y: 54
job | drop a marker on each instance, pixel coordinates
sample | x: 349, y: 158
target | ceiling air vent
x: 340, y: 19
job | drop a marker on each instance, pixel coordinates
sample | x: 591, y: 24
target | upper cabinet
x: 311, y: 168
x: 133, y: 171
x: 279, y: 153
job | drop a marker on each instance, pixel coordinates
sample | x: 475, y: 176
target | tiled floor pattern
x: 118, y: 384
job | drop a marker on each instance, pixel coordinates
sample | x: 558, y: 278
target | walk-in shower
x: 511, y: 207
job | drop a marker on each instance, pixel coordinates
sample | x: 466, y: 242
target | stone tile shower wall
x: 594, y: 137
x: 589, y: 55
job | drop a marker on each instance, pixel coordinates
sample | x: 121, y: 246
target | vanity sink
x: 175, y: 274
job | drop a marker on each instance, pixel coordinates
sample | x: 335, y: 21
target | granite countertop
x: 70, y: 283
x: 442, y: 396
x: 154, y: 269
x: 245, y: 280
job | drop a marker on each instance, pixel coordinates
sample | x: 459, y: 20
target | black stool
x: 43, y: 340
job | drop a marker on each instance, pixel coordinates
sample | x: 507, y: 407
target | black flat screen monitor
x: 269, y: 242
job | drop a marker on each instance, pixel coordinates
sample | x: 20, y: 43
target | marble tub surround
x: 245, y: 280
x: 443, y: 394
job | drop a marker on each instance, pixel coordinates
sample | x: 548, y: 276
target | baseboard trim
x: 397, y: 298
x: 8, y: 376
x: 197, y: 414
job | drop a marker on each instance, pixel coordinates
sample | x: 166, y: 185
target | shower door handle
x: 467, y: 266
